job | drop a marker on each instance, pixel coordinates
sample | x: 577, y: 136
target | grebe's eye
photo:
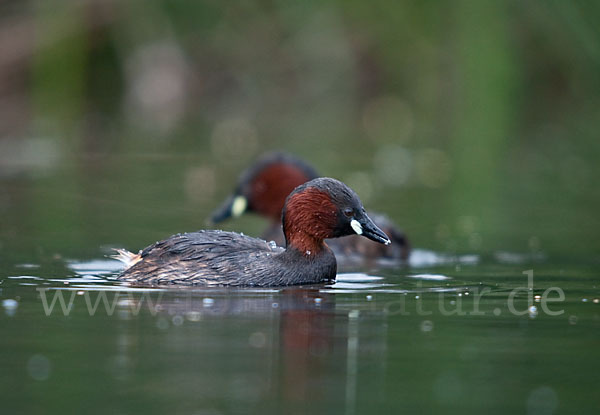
x: 349, y: 212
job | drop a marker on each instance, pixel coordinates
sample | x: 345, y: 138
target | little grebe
x: 262, y: 189
x: 319, y: 209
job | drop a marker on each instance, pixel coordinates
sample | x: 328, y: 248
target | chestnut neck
x: 272, y: 185
x: 309, y: 218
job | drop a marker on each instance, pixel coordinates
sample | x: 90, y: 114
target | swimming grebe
x: 319, y: 209
x: 264, y: 186
x: 262, y: 189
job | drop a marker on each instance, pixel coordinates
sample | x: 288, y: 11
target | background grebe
x: 263, y: 188
x: 319, y: 209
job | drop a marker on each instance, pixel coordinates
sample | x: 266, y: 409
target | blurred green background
x: 473, y: 124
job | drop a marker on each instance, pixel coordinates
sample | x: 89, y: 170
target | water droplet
x: 39, y: 367
x: 257, y: 339
x: 533, y: 311
x: 426, y: 326
x: 162, y: 323
x: 369, y: 297
x: 193, y: 316
x: 10, y: 306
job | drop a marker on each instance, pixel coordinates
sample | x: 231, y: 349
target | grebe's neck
x: 309, y: 217
x: 305, y: 244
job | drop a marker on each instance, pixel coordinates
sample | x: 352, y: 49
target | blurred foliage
x: 472, y: 124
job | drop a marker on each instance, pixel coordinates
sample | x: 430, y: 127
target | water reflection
x: 290, y: 346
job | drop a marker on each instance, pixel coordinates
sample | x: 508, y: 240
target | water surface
x: 442, y: 335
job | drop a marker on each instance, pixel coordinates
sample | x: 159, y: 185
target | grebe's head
x: 326, y: 208
x: 263, y: 187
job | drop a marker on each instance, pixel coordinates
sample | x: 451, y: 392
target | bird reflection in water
x: 287, y: 347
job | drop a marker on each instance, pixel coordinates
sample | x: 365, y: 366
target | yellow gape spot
x: 238, y: 206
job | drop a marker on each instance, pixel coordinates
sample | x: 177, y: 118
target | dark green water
x: 446, y: 335
x: 453, y: 332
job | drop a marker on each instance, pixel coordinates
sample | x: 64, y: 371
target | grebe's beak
x: 366, y: 227
x: 234, y: 206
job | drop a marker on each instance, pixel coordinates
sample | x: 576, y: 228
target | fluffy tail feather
x: 126, y: 257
